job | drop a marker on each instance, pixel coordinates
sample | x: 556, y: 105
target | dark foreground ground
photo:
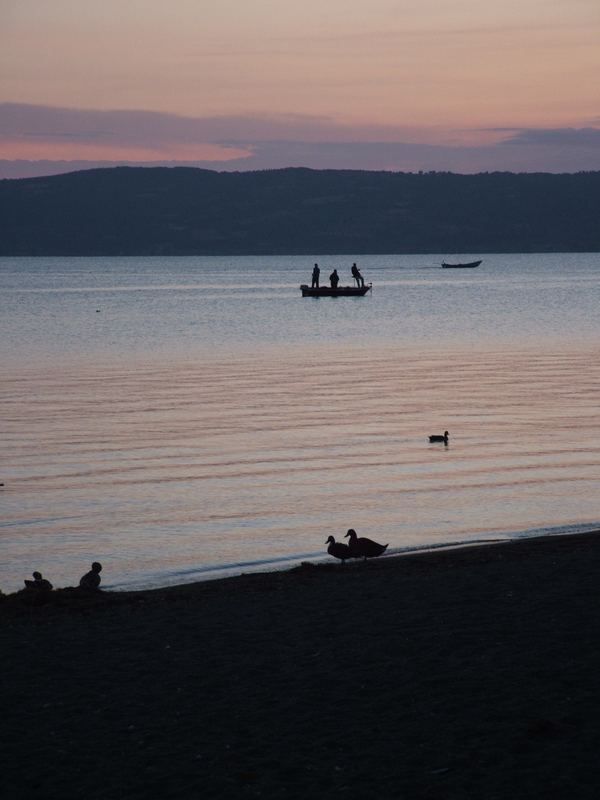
x: 470, y: 673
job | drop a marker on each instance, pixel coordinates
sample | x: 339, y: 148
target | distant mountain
x: 27, y: 168
x: 187, y: 211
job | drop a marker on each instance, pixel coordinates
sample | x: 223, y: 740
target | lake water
x: 185, y: 418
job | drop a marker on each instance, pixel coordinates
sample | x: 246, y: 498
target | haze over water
x: 181, y: 418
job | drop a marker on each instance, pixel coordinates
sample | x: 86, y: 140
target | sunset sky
x: 245, y: 84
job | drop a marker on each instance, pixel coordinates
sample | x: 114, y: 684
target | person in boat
x: 38, y: 584
x: 357, y: 276
x: 334, y: 279
x: 315, y: 277
x: 90, y: 582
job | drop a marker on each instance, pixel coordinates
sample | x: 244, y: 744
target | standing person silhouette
x: 357, y: 276
x: 315, y: 276
x: 334, y: 279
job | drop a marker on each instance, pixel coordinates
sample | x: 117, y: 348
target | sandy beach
x: 467, y: 673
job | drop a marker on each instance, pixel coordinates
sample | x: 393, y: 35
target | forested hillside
x: 186, y: 211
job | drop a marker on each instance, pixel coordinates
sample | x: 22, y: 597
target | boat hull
x: 469, y: 265
x: 340, y: 291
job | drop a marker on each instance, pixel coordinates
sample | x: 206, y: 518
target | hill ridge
x: 191, y: 211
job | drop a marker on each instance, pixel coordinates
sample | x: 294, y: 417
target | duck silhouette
x: 338, y: 549
x: 438, y: 438
x: 361, y: 547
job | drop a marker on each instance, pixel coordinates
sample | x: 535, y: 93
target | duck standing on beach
x: 338, y: 549
x: 91, y: 580
x: 361, y: 547
x: 439, y: 438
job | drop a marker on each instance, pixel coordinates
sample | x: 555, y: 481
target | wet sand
x: 471, y: 673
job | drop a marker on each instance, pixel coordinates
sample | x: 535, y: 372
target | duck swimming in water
x: 338, y: 549
x: 361, y: 547
x: 438, y: 438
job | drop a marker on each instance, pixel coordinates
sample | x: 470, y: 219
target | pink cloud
x: 42, y: 133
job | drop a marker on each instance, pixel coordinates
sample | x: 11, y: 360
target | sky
x: 460, y: 85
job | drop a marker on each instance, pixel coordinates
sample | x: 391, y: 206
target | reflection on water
x: 177, y: 418
x: 172, y: 470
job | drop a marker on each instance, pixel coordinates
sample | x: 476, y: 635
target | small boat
x: 468, y: 265
x: 339, y: 291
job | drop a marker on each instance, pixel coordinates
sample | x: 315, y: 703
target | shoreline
x: 327, y: 561
x: 323, y: 562
x: 469, y: 672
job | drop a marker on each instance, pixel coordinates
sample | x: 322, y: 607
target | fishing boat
x: 339, y: 291
x: 467, y: 265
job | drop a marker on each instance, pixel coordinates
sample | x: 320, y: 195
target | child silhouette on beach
x: 91, y: 580
x: 38, y: 584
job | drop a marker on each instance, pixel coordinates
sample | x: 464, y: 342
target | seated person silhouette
x: 357, y: 276
x: 334, y: 279
x: 38, y: 584
x: 91, y: 580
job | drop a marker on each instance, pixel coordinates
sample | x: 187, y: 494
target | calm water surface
x: 181, y: 418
